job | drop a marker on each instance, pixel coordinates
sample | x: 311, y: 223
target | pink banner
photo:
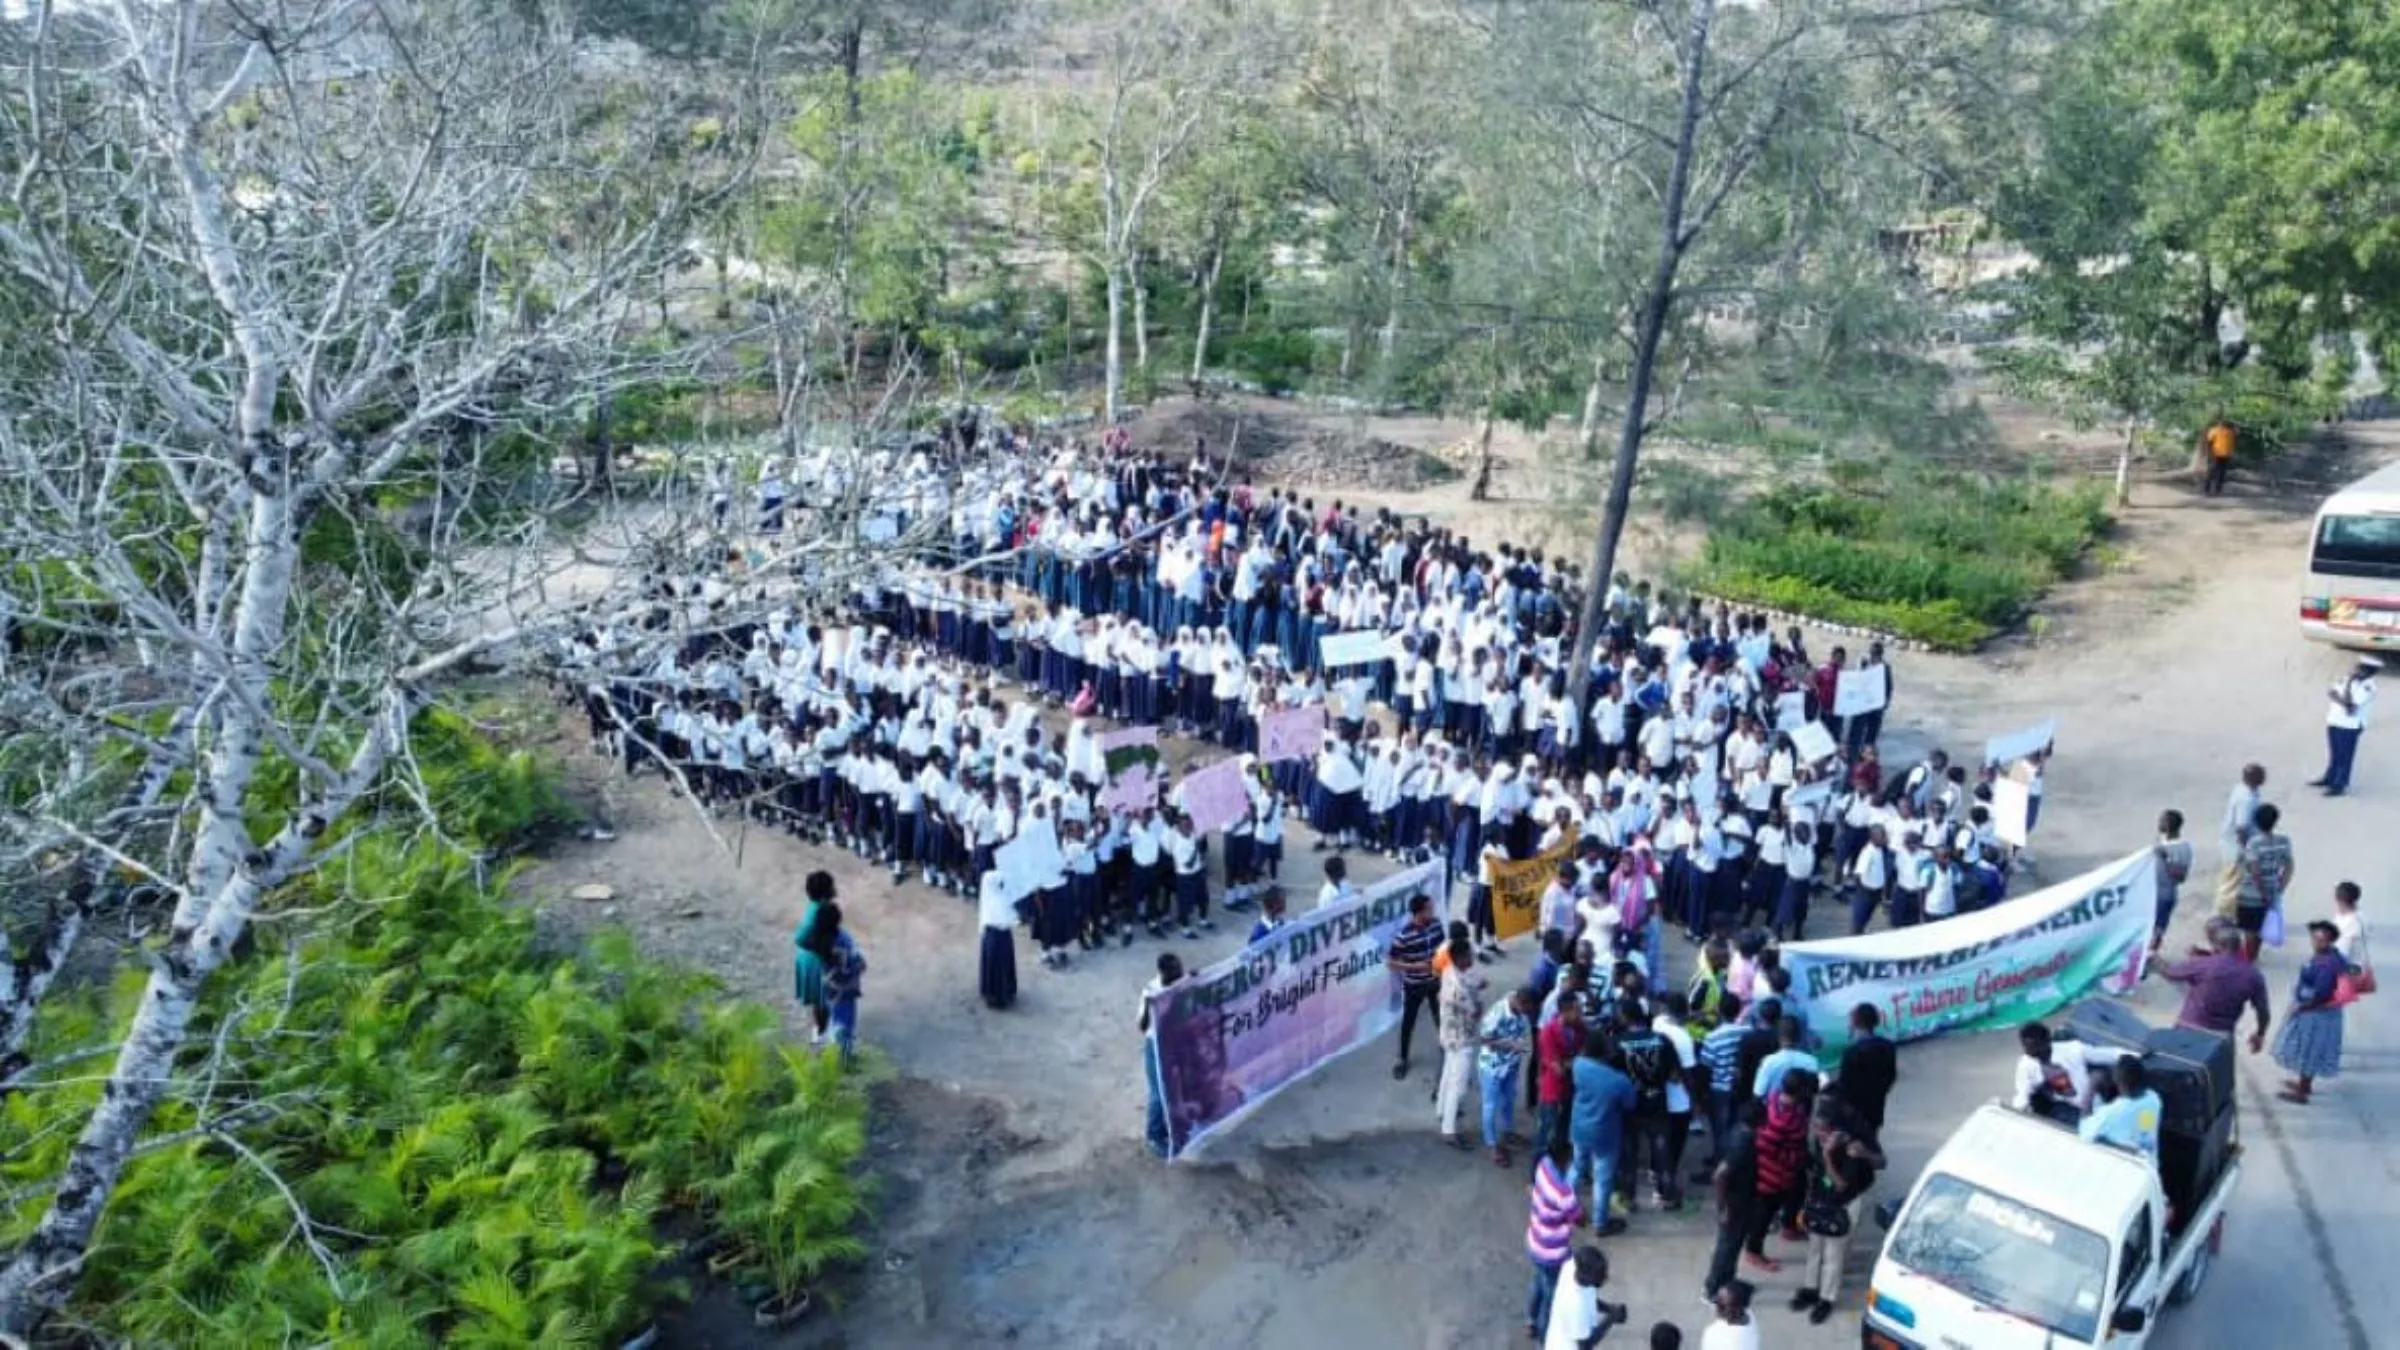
x: 1291, y: 733
x: 1215, y: 797
x: 1134, y: 767
x: 1227, y: 1038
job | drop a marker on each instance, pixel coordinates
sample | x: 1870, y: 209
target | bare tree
x: 1163, y: 75
x: 1692, y: 100
x: 284, y: 286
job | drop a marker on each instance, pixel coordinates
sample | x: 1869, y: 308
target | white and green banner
x: 2021, y: 960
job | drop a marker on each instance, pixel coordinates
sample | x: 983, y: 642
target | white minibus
x: 2352, y: 595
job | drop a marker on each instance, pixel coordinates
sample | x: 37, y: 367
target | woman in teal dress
x: 813, y: 943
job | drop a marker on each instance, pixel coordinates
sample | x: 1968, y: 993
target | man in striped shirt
x: 1411, y: 958
x: 1548, y: 1235
x: 1720, y: 1056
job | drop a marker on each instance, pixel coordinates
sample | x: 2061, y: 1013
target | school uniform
x: 1191, y: 880
x: 996, y: 978
x: 1869, y: 876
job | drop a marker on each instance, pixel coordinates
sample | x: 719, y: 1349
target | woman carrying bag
x: 1841, y: 1175
x: 2310, y: 1046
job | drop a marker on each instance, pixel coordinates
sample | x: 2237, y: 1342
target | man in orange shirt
x: 2217, y: 442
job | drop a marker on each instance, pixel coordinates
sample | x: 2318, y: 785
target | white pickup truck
x: 2019, y: 1234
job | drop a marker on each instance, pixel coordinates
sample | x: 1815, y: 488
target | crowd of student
x: 906, y: 721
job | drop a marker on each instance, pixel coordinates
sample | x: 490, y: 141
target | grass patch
x: 1947, y: 560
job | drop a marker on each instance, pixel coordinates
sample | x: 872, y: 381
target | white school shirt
x: 1143, y: 838
x: 1941, y: 897
x: 1867, y: 868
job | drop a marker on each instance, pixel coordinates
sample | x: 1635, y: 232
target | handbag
x: 2270, y: 929
x: 1825, y: 1217
x: 2345, y: 991
x: 2362, y: 978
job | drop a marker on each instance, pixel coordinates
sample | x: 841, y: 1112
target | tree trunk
x: 1482, y: 489
x: 2125, y: 463
x: 1208, y: 313
x: 853, y: 49
x: 1651, y: 328
x: 1141, y: 320
x: 604, y: 452
x: 42, y: 1274
x: 1587, y: 431
x: 1115, y: 345
x: 1390, y: 337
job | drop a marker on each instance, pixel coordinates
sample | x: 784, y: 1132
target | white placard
x: 1806, y: 798
x: 2018, y: 745
x: 2012, y: 804
x: 1791, y: 709
x: 1350, y: 649
x: 1863, y: 690
x: 1812, y: 742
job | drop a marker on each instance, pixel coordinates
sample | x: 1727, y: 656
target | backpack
x: 1650, y: 1063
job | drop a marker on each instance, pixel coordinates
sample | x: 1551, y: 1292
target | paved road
x: 2168, y: 716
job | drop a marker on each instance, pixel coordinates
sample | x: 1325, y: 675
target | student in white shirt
x: 1869, y: 877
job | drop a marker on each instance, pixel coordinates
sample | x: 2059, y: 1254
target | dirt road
x: 1017, y: 1205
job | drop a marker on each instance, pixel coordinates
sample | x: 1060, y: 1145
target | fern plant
x: 488, y: 1139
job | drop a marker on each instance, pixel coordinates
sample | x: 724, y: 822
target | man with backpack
x: 1652, y: 1064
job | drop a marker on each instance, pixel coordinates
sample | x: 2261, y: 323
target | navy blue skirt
x: 998, y: 981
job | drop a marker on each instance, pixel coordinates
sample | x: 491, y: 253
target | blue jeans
x: 2341, y: 749
x: 1549, y: 1128
x: 1597, y: 1161
x: 1154, y: 1130
x: 1499, y: 1103
x: 1538, y: 1292
x: 845, y: 1028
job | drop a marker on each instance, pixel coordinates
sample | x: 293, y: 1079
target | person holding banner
x: 1154, y: 1127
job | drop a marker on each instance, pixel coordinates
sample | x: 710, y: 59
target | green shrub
x: 1280, y: 360
x: 1947, y: 560
x: 490, y: 1138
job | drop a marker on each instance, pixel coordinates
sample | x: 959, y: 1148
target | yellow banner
x: 1517, y: 890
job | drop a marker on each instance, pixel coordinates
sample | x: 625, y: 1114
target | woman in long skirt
x: 2310, y: 1045
x: 997, y: 980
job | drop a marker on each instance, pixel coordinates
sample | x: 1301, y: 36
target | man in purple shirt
x: 2219, y: 985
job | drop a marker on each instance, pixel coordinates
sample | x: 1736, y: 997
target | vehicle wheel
x: 2197, y: 1272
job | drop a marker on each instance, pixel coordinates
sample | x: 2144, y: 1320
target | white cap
x: 2371, y: 662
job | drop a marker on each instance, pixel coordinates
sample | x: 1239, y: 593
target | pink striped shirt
x: 1551, y: 1231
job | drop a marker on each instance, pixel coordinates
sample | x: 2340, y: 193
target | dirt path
x: 1016, y: 1203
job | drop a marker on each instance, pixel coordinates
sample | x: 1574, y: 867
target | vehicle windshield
x: 2007, y: 1256
x: 2357, y: 546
